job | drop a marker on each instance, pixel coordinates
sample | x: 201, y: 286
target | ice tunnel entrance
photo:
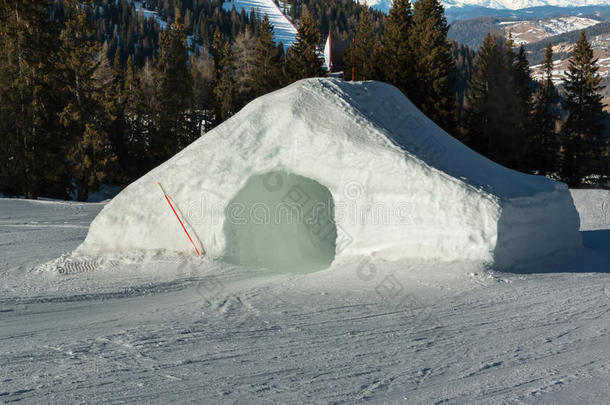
x: 281, y: 221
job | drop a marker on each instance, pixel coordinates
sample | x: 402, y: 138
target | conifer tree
x: 31, y: 155
x: 435, y: 68
x: 216, y: 52
x: 174, y: 92
x: 490, y: 122
x: 364, y: 45
x: 544, y: 140
x: 582, y: 133
x: 202, y: 71
x: 225, y: 88
x: 398, y: 60
x: 110, y: 80
x: 303, y: 60
x: 519, y: 104
x: 265, y: 76
x: 135, y: 114
x: 83, y: 115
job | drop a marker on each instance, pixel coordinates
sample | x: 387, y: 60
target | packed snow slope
x: 283, y: 29
x: 190, y: 330
x: 357, y: 169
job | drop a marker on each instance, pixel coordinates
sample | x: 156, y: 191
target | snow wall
x: 324, y: 169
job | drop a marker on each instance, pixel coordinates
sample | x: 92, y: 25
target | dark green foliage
x: 365, y: 45
x: 30, y: 152
x: 464, y: 59
x: 584, y: 144
x: 435, y: 68
x: 83, y: 116
x: 303, y: 61
x: 225, y: 89
x: 266, y: 73
x: 398, y: 56
x: 493, y: 107
x: 473, y: 31
x: 520, y: 102
x: 544, y: 140
x: 174, y: 94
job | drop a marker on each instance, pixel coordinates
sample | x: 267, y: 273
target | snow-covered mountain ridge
x: 477, y: 8
x: 519, y: 4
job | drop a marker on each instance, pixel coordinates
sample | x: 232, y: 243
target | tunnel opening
x: 281, y: 221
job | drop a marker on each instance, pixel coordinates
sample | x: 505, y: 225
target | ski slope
x: 283, y: 29
x: 165, y: 329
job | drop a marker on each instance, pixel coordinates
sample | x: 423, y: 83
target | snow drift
x: 325, y: 169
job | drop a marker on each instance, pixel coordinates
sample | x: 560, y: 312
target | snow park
x: 261, y: 202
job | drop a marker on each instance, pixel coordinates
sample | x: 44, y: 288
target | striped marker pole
x: 178, y: 217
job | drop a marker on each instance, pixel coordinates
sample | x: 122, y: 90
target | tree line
x: 76, y: 110
x: 72, y: 117
x: 491, y: 103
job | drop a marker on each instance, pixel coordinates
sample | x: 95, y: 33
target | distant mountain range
x: 521, y: 4
x: 528, y: 9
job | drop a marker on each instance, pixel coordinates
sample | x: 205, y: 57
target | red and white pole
x: 178, y: 217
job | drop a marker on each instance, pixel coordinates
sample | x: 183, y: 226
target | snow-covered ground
x: 158, y: 329
x: 283, y: 29
x: 524, y: 32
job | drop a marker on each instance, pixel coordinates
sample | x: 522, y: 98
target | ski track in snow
x: 161, y: 329
x: 283, y: 29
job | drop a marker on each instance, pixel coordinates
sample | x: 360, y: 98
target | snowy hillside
x: 188, y: 330
x: 283, y: 29
x: 524, y: 32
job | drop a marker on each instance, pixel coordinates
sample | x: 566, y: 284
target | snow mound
x: 325, y: 169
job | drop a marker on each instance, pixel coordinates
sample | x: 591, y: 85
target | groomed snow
x: 178, y: 329
x: 283, y: 29
x: 401, y: 187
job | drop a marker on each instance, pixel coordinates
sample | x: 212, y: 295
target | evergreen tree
x: 135, y: 114
x: 364, y: 46
x: 217, y: 52
x: 83, y: 115
x: 265, y: 76
x: 582, y: 133
x: 303, y: 60
x: 521, y: 97
x: 490, y: 121
x: 398, y: 60
x: 544, y: 139
x: 31, y: 153
x: 435, y: 67
x: 174, y: 93
x: 225, y: 89
x: 202, y: 71
x: 111, y: 80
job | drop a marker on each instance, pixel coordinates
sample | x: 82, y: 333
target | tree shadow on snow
x: 593, y: 257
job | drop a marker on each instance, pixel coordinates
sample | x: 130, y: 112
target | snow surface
x: 178, y: 329
x: 400, y: 186
x: 537, y: 30
x: 283, y: 29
